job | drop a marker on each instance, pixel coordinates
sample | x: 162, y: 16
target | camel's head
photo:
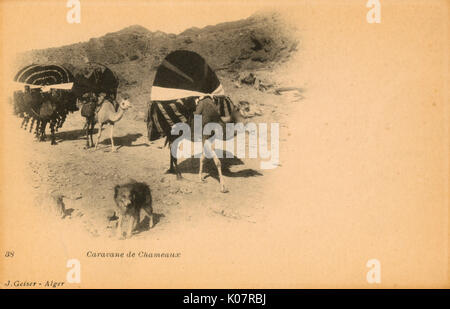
x: 244, y: 108
x: 124, y: 104
x: 237, y: 115
x: 101, y: 96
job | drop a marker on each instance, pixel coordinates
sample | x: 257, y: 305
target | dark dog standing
x: 131, y: 199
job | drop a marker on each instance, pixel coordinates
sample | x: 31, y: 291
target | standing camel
x: 47, y: 115
x: 43, y: 108
x: 107, y: 114
x: 210, y: 113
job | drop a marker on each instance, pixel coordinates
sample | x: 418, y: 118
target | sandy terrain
x: 89, y: 176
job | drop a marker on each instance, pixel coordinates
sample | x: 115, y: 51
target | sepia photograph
x: 224, y: 145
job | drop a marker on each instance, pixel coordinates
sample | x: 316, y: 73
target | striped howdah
x: 44, y: 75
x: 163, y: 115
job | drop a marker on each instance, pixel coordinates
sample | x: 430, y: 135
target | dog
x: 132, y: 198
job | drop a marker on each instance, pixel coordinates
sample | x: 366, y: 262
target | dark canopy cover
x: 96, y: 78
x: 181, y: 79
x: 183, y: 74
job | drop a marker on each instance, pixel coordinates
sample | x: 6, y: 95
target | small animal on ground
x: 132, y: 198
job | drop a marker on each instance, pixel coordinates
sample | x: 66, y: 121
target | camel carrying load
x: 185, y: 85
x: 44, y: 96
x: 182, y: 79
x: 96, y: 88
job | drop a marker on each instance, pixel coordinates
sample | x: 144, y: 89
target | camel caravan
x: 45, y: 98
x: 185, y: 86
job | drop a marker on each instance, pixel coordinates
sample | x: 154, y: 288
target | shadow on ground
x: 72, y: 135
x: 144, y: 225
x: 124, y: 141
x: 192, y: 165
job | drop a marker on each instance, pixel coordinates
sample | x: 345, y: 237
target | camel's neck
x: 118, y: 115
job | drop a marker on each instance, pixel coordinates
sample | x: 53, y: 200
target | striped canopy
x: 44, y: 75
x: 184, y: 74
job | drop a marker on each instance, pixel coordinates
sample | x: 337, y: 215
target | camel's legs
x: 24, y: 121
x: 99, y: 135
x: 200, y: 172
x: 88, y: 133
x: 52, y: 130
x: 174, y: 166
x: 112, y: 138
x: 171, y: 169
x: 41, y: 134
x: 62, y: 120
x: 43, y: 129
x: 218, y: 165
x: 37, y: 128
x: 91, y: 131
x: 56, y: 119
x: 31, y: 125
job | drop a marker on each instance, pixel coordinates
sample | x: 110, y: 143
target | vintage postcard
x: 224, y: 144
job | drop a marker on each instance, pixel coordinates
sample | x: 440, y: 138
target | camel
x: 43, y: 108
x: 47, y: 114
x: 210, y: 113
x: 107, y: 114
x: 27, y: 105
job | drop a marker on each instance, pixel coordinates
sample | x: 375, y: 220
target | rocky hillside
x: 135, y: 52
